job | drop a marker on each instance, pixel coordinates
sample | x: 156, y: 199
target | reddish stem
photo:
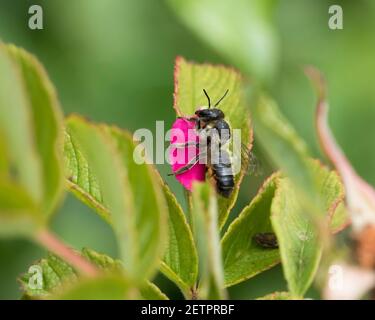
x: 56, y: 246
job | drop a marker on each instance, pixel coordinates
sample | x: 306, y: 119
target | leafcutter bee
x: 266, y: 240
x: 214, y: 134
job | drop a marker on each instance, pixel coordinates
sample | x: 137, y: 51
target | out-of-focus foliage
x: 299, y: 238
x: 180, y: 262
x: 113, y: 60
x: 303, y: 202
x: 135, y: 201
x: 243, y: 31
x: 57, y: 274
x: 204, y: 216
x: 143, y: 200
x: 31, y: 132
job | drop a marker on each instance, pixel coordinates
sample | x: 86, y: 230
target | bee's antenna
x: 221, y: 98
x: 208, y: 98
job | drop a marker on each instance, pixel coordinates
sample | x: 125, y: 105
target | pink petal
x: 183, y: 131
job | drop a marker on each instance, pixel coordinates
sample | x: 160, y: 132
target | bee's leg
x: 185, y: 144
x: 189, y: 165
x: 188, y: 119
x: 195, y: 119
x: 209, y: 172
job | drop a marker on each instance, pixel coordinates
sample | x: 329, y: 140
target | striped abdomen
x: 223, y: 174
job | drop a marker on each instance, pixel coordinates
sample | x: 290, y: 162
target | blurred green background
x: 112, y: 60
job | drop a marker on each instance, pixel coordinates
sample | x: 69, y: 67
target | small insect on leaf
x: 266, y: 240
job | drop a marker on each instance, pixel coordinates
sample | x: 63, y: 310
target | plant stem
x: 189, y: 204
x: 49, y: 240
x: 192, y: 293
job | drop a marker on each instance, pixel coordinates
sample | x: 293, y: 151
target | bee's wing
x: 249, y: 162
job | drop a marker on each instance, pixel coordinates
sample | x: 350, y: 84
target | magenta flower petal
x: 182, y: 132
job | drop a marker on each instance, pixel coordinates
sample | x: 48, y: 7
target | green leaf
x: 31, y: 136
x: 105, y: 161
x: 283, y: 145
x: 180, y: 261
x: 57, y: 274
x: 277, y: 296
x: 207, y: 239
x: 16, y: 123
x: 151, y: 292
x: 81, y: 180
x: 47, y: 124
x: 101, y: 260
x: 18, y: 212
x: 242, y: 31
x: 301, y: 204
x: 149, y: 202
x: 190, y: 80
x: 54, y: 271
x: 4, y: 159
x: 243, y: 257
x: 300, y: 245
x: 148, y: 291
x: 106, y: 287
x: 130, y: 190
x: 339, y: 218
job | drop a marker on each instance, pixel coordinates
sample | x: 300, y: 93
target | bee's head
x: 209, y: 114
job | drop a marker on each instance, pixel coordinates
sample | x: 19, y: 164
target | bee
x: 214, y: 134
x: 266, y: 240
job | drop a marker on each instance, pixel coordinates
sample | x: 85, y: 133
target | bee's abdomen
x: 223, y: 175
